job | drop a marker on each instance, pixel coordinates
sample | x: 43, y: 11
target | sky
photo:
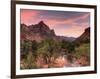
x: 64, y: 23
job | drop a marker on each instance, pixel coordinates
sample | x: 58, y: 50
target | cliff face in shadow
x: 85, y: 37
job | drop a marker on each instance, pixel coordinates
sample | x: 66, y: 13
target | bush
x: 83, y: 49
x: 29, y: 62
x: 49, y: 48
x: 68, y: 46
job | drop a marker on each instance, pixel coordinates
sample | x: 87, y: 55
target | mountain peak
x: 38, y: 32
x: 87, y: 29
x: 41, y: 22
x: 42, y: 25
x: 85, y: 37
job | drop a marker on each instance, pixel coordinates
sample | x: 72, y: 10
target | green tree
x: 49, y: 49
x: 25, y: 47
x: 67, y: 46
x: 83, y: 49
x: 34, y: 48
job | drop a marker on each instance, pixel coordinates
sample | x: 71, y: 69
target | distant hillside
x: 70, y: 39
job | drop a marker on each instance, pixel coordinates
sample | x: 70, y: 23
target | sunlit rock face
x: 37, y: 32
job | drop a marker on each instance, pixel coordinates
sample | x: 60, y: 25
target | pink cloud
x: 70, y: 21
x: 75, y: 29
x: 70, y: 32
x: 28, y: 16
